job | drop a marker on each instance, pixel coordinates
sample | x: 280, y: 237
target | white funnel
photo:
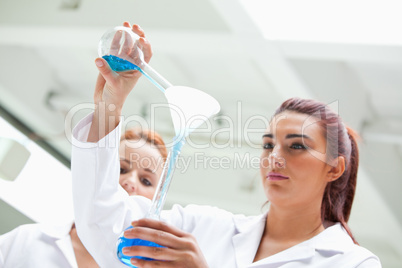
x: 189, y: 108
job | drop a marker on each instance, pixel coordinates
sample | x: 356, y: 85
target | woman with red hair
x: 142, y: 154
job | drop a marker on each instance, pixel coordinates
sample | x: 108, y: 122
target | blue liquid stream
x: 126, y: 242
x: 120, y: 65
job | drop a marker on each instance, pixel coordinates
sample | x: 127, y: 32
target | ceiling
x: 47, y: 76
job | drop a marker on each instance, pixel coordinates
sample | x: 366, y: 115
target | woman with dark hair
x: 341, y: 146
x: 308, y: 169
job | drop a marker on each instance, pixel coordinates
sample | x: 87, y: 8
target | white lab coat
x: 103, y: 209
x: 37, y: 245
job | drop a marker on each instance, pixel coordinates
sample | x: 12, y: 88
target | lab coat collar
x: 61, y: 236
x: 246, y: 241
x: 333, y: 240
x: 56, y: 231
x: 299, y: 253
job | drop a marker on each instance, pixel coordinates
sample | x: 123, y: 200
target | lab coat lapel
x: 297, y: 253
x: 332, y: 241
x: 65, y: 246
x: 246, y: 241
x: 61, y: 236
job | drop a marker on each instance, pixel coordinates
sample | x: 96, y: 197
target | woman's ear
x: 336, y: 168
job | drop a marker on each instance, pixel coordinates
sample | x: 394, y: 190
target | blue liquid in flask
x: 126, y: 242
x: 119, y: 65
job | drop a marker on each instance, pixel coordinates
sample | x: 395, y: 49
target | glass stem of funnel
x: 164, y: 182
x: 155, y: 77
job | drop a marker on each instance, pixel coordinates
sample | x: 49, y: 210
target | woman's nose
x: 130, y: 182
x: 276, y: 161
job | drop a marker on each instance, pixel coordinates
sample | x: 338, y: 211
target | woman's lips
x: 273, y: 176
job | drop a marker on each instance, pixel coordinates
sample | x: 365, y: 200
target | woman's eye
x: 268, y: 146
x: 123, y: 171
x: 145, y: 181
x: 298, y: 146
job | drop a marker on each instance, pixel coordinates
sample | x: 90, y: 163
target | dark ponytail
x: 339, y: 194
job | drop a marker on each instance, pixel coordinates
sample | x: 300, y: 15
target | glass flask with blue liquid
x: 119, y: 47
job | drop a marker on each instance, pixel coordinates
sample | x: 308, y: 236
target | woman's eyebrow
x: 125, y: 160
x: 268, y: 135
x: 290, y: 136
x: 145, y: 169
x: 149, y: 170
